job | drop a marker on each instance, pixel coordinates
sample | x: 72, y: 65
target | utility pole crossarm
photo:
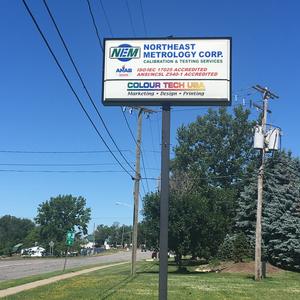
x: 266, y: 93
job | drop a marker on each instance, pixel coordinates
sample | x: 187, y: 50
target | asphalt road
x: 13, y: 269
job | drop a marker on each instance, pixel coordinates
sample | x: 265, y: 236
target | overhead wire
x: 59, y: 152
x: 142, y: 156
x: 106, y: 17
x: 207, y: 177
x: 71, y: 87
x: 158, y: 123
x: 130, y: 18
x: 91, y: 13
x: 63, y: 165
x: 128, y: 126
x: 83, y: 84
x: 61, y: 171
x: 143, y: 18
x: 57, y: 164
x: 152, y: 140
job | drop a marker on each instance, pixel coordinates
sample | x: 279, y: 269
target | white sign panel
x: 174, y: 71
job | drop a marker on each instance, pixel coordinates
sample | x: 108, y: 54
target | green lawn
x: 115, y: 283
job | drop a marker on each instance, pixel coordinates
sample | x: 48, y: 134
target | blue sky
x: 39, y: 112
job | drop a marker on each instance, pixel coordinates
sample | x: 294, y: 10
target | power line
x: 158, y: 127
x: 128, y: 126
x: 152, y: 140
x: 60, y: 171
x: 106, y: 17
x: 96, y: 29
x: 83, y: 84
x: 130, y: 18
x: 59, y: 152
x: 208, y: 177
x: 71, y: 87
x: 143, y: 162
x: 91, y: 13
x: 142, y: 156
x: 63, y: 165
x: 56, y: 164
x: 203, y: 108
x: 143, y: 18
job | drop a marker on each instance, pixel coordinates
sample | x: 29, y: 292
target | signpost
x: 69, y: 242
x: 70, y: 238
x: 166, y: 72
x: 51, y: 245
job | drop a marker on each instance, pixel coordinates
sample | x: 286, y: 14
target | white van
x: 33, y: 251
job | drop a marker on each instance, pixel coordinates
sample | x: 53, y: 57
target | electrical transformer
x: 258, y: 137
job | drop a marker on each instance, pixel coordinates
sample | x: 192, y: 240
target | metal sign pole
x: 65, y: 262
x: 164, y: 203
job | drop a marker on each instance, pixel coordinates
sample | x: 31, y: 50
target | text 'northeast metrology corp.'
x: 179, y: 51
x: 166, y: 53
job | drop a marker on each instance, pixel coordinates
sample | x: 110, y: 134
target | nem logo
x: 124, y: 52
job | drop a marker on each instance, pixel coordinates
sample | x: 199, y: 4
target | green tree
x: 235, y: 247
x: 32, y: 237
x: 197, y: 222
x: 212, y: 159
x: 217, y: 148
x: 151, y: 219
x: 13, y: 231
x: 60, y: 214
x: 281, y: 220
x: 102, y: 233
x: 114, y: 234
x: 241, y: 247
x: 142, y: 236
x: 225, y: 251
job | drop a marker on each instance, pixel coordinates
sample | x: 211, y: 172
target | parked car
x: 33, y: 252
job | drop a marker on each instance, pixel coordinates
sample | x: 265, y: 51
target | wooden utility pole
x: 258, y: 237
x: 137, y: 179
x: 136, y: 191
x: 258, y: 272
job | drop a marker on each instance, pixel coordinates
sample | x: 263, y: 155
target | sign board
x: 183, y: 71
x: 51, y: 243
x: 70, y: 238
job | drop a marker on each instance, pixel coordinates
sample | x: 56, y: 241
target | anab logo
x: 124, y: 52
x: 123, y: 71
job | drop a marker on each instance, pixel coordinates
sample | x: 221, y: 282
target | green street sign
x: 70, y: 238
